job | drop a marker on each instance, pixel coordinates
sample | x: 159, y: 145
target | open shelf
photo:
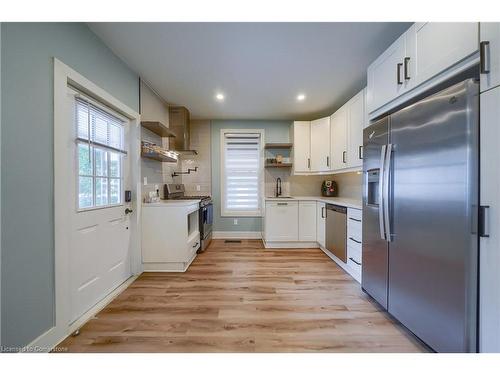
x: 278, y: 165
x: 157, y: 153
x: 278, y: 145
x: 158, y: 128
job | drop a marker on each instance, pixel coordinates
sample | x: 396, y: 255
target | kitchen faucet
x: 278, y: 187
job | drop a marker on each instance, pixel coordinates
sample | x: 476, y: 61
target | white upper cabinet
x: 436, y: 46
x: 302, y: 146
x: 320, y: 145
x: 423, y: 52
x: 386, y: 75
x: 489, y: 48
x: 338, y: 140
x: 356, y: 123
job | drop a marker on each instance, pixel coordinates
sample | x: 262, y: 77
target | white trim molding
x: 237, y: 235
x: 64, y: 76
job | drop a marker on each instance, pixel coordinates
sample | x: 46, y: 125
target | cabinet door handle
x: 308, y: 163
x: 353, y: 219
x: 483, y: 48
x: 360, y: 150
x: 196, y: 244
x: 282, y: 204
x: 398, y: 75
x: 343, y: 156
x: 359, y: 264
x: 322, y: 212
x: 407, y: 68
x: 483, y: 221
x: 352, y: 239
x: 327, y: 161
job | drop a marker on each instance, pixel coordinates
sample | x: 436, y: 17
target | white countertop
x: 172, y: 203
x: 346, y: 202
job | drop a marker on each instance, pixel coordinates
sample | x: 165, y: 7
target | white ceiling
x: 260, y: 67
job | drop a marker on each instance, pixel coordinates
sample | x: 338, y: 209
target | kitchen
x: 364, y: 226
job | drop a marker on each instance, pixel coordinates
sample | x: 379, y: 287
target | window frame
x: 233, y: 213
x: 93, y: 146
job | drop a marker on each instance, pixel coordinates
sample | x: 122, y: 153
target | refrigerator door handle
x: 381, y: 193
x: 387, y: 174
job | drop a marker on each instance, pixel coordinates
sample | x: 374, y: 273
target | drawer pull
x: 359, y: 264
x: 282, y: 204
x: 196, y: 244
x: 352, y: 239
x: 353, y: 219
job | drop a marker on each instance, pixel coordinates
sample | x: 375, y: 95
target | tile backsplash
x: 201, y: 142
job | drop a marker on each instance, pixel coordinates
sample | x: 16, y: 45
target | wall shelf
x: 278, y: 165
x: 278, y: 145
x: 151, y: 151
x: 158, y: 128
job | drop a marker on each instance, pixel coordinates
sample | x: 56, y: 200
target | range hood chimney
x: 179, y: 120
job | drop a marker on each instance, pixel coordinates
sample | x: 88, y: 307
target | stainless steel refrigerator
x: 420, y: 197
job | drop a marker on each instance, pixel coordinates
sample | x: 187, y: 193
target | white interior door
x: 100, y: 236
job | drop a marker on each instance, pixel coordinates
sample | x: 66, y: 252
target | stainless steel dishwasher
x: 336, y: 231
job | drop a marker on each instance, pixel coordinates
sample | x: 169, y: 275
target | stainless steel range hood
x: 179, y: 125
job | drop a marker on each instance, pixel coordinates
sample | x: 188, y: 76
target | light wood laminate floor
x: 243, y: 298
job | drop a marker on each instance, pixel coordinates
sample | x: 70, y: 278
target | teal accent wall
x: 275, y: 131
x: 27, y: 200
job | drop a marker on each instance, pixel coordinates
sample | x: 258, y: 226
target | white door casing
x: 62, y: 212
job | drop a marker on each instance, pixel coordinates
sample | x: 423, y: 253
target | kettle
x: 329, y: 188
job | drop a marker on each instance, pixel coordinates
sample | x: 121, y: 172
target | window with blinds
x: 100, y: 148
x: 241, y: 174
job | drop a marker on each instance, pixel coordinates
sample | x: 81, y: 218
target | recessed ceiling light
x: 219, y: 96
x: 301, y: 97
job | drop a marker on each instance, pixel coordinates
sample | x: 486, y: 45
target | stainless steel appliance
x: 206, y: 217
x: 336, y: 230
x: 420, y: 202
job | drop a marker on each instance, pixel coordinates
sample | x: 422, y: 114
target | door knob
x: 128, y: 211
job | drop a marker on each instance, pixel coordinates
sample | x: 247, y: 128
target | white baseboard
x: 51, y: 338
x: 237, y: 235
x: 290, y: 245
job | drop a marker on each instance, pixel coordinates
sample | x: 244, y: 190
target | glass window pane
x: 114, y: 164
x: 114, y: 191
x: 115, y: 135
x: 101, y: 191
x: 100, y: 129
x: 82, y: 119
x: 101, y: 162
x: 84, y: 160
x: 85, y: 192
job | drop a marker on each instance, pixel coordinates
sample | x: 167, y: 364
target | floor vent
x: 232, y: 241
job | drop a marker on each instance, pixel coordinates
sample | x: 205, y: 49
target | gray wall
x: 275, y: 131
x: 27, y: 174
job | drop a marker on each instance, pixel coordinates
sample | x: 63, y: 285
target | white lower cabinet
x: 301, y: 223
x: 320, y: 223
x: 282, y: 221
x: 307, y: 221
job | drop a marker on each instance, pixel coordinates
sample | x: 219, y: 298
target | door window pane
x: 101, y: 191
x: 85, y: 192
x: 101, y: 162
x: 84, y: 160
x: 114, y: 191
x: 114, y: 164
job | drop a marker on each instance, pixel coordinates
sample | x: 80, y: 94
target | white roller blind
x: 242, y: 175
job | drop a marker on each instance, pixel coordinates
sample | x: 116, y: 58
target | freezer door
x: 433, y: 253
x: 375, y: 247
